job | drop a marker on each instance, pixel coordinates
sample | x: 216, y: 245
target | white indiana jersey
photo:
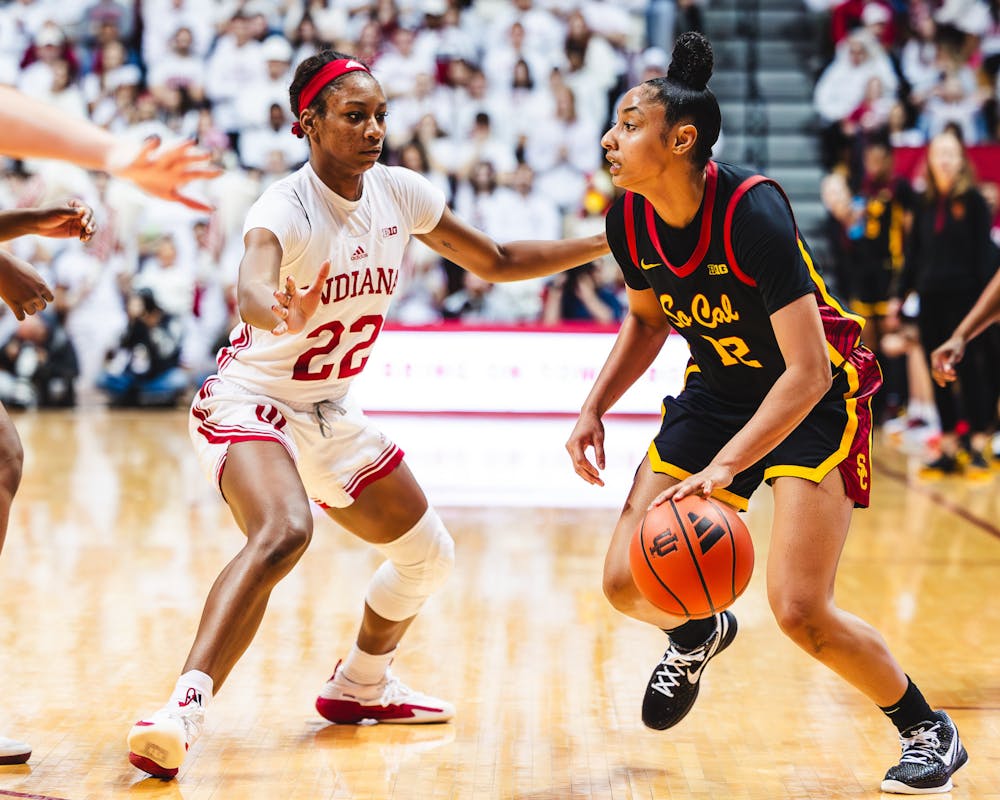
x: 364, y: 241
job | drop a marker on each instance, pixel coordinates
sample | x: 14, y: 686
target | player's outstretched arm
x: 69, y: 220
x: 984, y: 313
x: 262, y: 302
x: 21, y: 287
x: 500, y: 263
x: 30, y: 128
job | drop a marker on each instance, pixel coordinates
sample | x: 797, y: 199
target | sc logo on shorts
x: 863, y: 471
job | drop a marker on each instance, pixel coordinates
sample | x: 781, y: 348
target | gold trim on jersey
x: 827, y: 297
x: 877, y: 309
x: 665, y: 468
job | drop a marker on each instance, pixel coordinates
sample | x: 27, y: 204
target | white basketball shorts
x: 336, y: 448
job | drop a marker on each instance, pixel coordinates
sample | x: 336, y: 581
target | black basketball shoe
x: 673, y: 686
x: 932, y: 753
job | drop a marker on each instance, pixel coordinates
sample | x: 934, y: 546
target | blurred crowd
x: 908, y: 68
x: 501, y: 103
x: 913, y: 250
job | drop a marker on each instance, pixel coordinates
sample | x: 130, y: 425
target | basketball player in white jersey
x: 278, y: 426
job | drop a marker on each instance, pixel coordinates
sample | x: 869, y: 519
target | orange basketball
x: 692, y: 558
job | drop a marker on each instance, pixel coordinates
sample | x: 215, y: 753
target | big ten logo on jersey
x: 380, y: 280
x: 389, y: 230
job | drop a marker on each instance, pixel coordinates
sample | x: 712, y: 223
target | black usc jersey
x: 719, y: 279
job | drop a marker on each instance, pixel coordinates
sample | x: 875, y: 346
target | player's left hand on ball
x: 704, y: 483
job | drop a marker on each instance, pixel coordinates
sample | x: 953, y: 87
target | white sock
x: 201, y: 682
x: 364, y: 668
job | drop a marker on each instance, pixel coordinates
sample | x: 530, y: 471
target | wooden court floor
x: 116, y: 537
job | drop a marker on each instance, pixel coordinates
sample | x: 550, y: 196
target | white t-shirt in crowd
x: 364, y: 240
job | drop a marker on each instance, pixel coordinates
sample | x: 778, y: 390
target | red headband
x: 327, y: 74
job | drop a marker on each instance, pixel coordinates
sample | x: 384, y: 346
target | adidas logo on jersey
x: 358, y: 254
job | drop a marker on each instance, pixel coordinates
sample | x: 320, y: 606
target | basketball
x: 691, y: 558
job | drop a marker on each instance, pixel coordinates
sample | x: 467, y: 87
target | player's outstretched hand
x: 944, y: 359
x: 69, y: 220
x: 704, y: 483
x: 21, y: 287
x: 588, y: 432
x: 294, y: 307
x: 163, y: 173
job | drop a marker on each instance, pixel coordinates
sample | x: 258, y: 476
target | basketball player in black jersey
x: 778, y: 388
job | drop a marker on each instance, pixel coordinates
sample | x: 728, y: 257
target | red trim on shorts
x: 704, y: 235
x: 214, y: 433
x: 382, y: 466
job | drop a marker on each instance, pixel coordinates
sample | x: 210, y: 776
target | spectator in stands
x: 105, y: 20
x: 842, y: 87
x: 401, y: 63
x: 901, y: 127
x: 850, y: 15
x: 957, y: 102
x: 479, y: 201
x: 170, y: 282
x: 423, y: 100
x: 201, y: 19
x: 49, y: 47
x: 412, y: 155
x: 38, y: 365
x: 561, y: 149
x: 579, y: 296
x: 180, y: 68
x: 236, y: 61
x: 255, y: 100
x: 666, y: 18
x: 259, y: 144
x: 306, y: 39
x: 145, y: 368
x: 482, y: 144
x: 476, y: 301
x: 949, y: 261
x: 920, y: 58
x: 501, y: 57
x: 593, y: 69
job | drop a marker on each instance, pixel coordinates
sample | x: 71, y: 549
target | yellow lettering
x: 677, y: 318
x: 732, y: 350
x: 711, y: 317
x: 862, y: 471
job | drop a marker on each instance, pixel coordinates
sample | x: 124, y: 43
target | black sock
x: 910, y: 709
x: 693, y: 633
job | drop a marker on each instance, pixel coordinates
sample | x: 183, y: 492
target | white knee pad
x: 418, y: 564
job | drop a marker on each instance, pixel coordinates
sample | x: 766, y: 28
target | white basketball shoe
x: 345, y: 702
x: 13, y: 752
x: 158, y: 744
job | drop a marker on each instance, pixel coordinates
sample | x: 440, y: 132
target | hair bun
x: 692, y: 61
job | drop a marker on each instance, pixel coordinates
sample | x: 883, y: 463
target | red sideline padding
x: 909, y: 161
